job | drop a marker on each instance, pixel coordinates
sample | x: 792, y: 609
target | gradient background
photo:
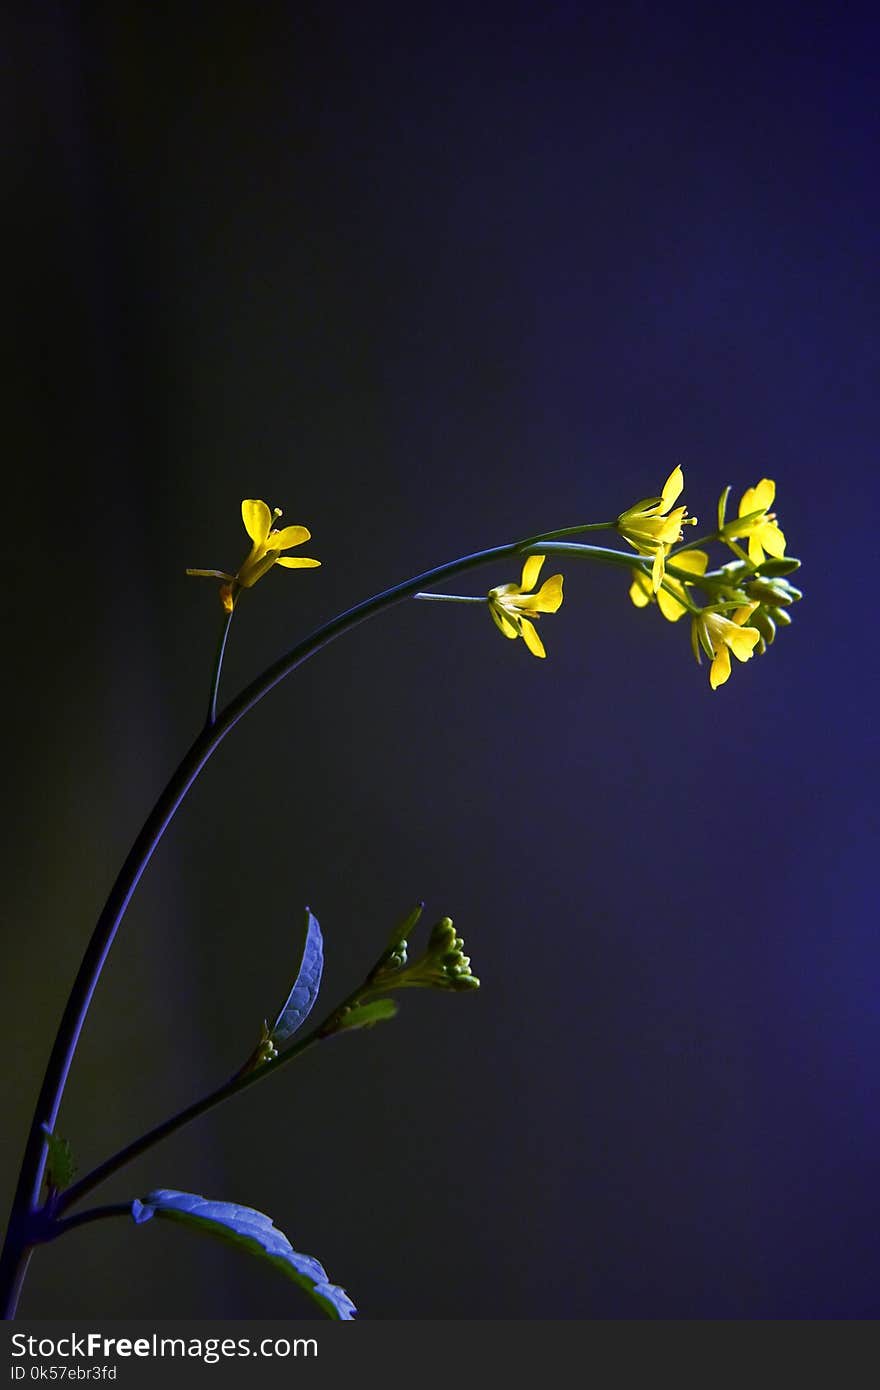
x: 431, y: 280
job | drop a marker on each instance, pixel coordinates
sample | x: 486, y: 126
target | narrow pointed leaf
x: 405, y: 928
x: 301, y: 999
x: 251, y: 1231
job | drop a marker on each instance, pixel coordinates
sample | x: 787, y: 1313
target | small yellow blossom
x: 509, y: 603
x: 719, y: 636
x: 758, y: 523
x: 267, y: 545
x: 650, y: 527
x: 670, y: 596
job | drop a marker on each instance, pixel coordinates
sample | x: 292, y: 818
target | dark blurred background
x: 431, y: 279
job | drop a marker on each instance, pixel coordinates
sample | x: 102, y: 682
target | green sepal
x: 265, y: 1050
x: 366, y: 1015
x: 722, y: 507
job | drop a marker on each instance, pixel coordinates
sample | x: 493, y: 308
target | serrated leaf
x: 301, y: 999
x: 251, y: 1231
x: 60, y: 1162
x: 365, y: 1015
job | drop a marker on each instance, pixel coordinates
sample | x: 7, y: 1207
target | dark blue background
x: 431, y: 280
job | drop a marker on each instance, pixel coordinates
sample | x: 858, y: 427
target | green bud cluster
x: 265, y: 1050
x: 443, y: 965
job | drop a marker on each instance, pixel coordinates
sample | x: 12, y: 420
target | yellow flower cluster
x: 746, y: 603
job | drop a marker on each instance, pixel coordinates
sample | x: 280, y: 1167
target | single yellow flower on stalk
x: 509, y: 604
x: 266, y: 549
x: 758, y: 523
x: 719, y: 636
x: 671, y: 596
x: 651, y: 527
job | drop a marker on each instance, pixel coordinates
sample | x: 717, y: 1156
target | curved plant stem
x: 22, y: 1230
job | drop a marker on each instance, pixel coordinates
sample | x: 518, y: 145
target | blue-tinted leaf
x: 301, y: 998
x: 252, y: 1231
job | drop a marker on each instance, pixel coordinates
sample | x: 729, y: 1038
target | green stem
x: 218, y: 667
x: 570, y: 531
x: 84, y: 1218
x: 619, y: 558
x: 453, y: 598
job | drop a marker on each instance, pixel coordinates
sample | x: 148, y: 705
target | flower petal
x: 671, y: 607
x: 531, y: 570
x: 694, y: 561
x: 531, y: 638
x: 548, y: 599
x: 756, y: 550
x: 763, y: 494
x: 672, y: 488
x: 657, y: 568
x: 290, y: 562
x: 640, y: 590
x: 720, y: 669
x: 741, y: 640
x: 773, y: 540
x: 257, y: 519
x: 502, y: 622
x: 288, y: 536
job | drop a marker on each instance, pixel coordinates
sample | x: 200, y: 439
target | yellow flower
x: 719, y: 636
x: 266, y: 549
x: 758, y: 522
x: 641, y: 591
x: 650, y: 527
x: 510, y: 602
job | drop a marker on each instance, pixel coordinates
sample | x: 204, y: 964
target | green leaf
x: 60, y: 1163
x: 251, y: 1231
x: 301, y: 999
x: 365, y: 1015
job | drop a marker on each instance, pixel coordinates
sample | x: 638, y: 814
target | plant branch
x: 25, y: 1203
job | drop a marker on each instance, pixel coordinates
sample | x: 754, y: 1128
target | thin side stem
x: 618, y: 558
x: 84, y: 1218
x: 218, y: 668
x: 453, y: 598
x: 239, y: 1082
x: 570, y: 531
